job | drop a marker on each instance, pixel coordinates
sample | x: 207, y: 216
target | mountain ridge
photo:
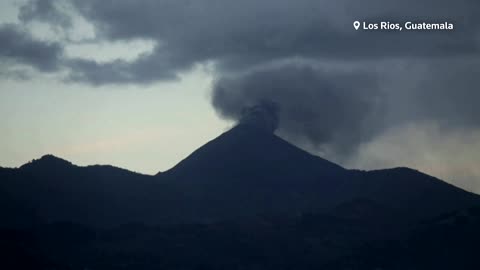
x: 243, y: 172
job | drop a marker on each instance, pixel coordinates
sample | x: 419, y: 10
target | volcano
x: 245, y: 200
x: 245, y: 172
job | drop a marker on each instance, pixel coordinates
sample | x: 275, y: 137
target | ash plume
x: 263, y: 115
x: 330, y: 110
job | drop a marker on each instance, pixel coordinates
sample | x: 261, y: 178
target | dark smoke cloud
x: 262, y: 115
x: 334, y: 109
x: 450, y: 94
x: 442, y: 92
x: 328, y: 108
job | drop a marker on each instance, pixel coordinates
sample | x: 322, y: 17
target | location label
x: 356, y: 25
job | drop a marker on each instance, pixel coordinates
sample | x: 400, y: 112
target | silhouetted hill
x: 414, y: 192
x: 245, y: 200
x: 311, y: 241
x: 246, y: 151
x: 46, y: 163
x: 57, y: 190
x: 245, y: 172
x: 249, y: 171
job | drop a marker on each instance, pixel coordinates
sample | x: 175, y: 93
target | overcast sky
x: 141, y: 84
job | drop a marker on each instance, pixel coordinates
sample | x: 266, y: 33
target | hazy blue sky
x: 146, y: 129
x: 141, y: 84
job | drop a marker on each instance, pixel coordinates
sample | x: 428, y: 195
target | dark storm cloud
x: 272, y: 29
x: 237, y: 35
x: 18, y: 46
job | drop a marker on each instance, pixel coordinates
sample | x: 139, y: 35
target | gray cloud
x: 119, y: 71
x: 238, y: 35
x: 44, y: 11
x: 19, y: 46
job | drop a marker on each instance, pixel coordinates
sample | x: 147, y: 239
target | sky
x: 141, y: 84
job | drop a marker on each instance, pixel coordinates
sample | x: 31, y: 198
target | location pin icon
x: 356, y: 24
